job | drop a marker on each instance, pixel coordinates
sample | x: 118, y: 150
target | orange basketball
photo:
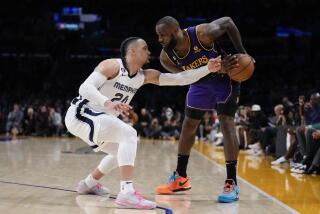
x: 245, y: 69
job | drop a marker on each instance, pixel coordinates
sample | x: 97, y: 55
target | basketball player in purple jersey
x: 188, y: 49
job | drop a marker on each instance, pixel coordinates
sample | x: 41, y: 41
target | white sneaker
x: 258, y: 152
x: 96, y: 190
x: 279, y: 161
x: 254, y: 152
x: 300, y: 169
x: 133, y: 201
x: 254, y: 146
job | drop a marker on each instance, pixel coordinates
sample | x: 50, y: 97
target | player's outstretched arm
x: 217, y: 28
x: 182, y: 78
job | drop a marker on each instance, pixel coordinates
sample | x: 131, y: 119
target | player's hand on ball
x: 214, y: 65
x: 229, y: 63
x: 119, y: 107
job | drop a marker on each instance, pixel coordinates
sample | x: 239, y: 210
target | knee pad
x: 127, y: 150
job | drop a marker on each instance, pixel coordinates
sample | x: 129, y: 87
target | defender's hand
x: 214, y: 65
x: 119, y: 107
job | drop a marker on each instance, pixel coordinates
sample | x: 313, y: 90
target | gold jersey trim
x: 188, y: 50
x: 201, y: 42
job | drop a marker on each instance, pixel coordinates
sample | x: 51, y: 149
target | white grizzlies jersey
x: 122, y: 88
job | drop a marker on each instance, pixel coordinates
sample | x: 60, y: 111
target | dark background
x: 41, y: 64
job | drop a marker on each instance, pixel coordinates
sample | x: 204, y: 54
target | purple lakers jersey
x: 197, y: 56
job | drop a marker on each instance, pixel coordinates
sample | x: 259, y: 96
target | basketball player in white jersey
x: 104, y: 95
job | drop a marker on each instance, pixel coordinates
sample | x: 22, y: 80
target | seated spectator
x: 42, y: 122
x: 29, y: 122
x: 55, y: 122
x: 310, y: 114
x: 14, y: 121
x: 257, y: 121
x: 241, y: 122
x: 270, y: 133
x: 154, y: 129
x: 144, y: 121
x: 170, y: 129
x: 315, y: 165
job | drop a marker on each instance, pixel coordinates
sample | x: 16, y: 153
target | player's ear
x: 176, y: 30
x: 131, y: 51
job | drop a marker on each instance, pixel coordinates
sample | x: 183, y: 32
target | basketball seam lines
x: 243, y: 68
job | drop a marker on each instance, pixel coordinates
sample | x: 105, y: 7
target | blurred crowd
x: 291, y: 133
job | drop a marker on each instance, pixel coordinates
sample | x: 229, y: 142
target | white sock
x: 126, y: 187
x: 90, y: 181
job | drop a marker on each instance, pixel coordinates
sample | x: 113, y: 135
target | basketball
x: 245, y: 69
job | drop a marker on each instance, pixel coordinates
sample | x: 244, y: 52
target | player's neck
x: 182, y: 41
x: 132, y: 66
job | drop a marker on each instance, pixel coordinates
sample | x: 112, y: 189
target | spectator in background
x: 14, y: 122
x: 42, y: 122
x: 144, y: 121
x: 154, y: 129
x: 29, y: 122
x: 170, y: 129
x: 256, y: 121
x: 315, y: 165
x: 310, y: 114
x: 270, y: 132
x: 55, y: 122
x: 241, y: 121
x: 205, y: 127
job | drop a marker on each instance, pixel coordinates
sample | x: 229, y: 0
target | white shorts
x: 97, y: 128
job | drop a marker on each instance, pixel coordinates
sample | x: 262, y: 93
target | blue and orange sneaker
x: 230, y: 192
x: 176, y: 184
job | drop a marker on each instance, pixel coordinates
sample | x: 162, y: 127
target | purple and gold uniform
x: 211, y: 90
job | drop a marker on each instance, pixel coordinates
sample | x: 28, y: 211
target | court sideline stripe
x: 280, y: 203
x: 167, y: 210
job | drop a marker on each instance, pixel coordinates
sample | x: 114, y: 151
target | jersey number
x: 119, y: 96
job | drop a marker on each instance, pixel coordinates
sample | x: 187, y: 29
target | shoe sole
x: 227, y: 200
x: 120, y: 205
x: 174, y: 191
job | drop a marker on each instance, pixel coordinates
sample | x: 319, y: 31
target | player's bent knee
x: 127, y: 153
x: 128, y: 148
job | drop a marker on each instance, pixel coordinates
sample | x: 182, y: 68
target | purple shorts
x: 206, y: 93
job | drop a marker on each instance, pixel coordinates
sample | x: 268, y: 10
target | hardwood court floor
x: 300, y: 192
x: 62, y: 162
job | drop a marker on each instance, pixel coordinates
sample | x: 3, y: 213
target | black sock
x: 232, y: 170
x: 182, y: 165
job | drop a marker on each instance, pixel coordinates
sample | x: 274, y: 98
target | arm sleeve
x: 184, y: 77
x: 89, y: 88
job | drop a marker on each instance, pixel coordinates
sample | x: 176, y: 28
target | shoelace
x: 172, y: 178
x: 228, y: 188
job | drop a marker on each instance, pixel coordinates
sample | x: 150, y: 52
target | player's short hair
x: 168, y: 20
x: 125, y: 44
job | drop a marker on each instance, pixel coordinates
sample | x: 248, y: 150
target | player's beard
x: 172, y: 44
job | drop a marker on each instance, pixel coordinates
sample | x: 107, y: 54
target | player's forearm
x: 183, y: 78
x: 89, y: 89
x: 234, y: 35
